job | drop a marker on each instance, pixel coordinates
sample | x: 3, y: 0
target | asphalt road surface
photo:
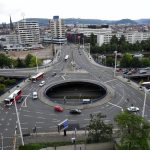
x: 36, y: 114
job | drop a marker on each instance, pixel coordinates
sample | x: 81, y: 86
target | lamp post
x: 2, y: 141
x: 115, y: 63
x: 89, y: 49
x: 145, y: 95
x: 37, y: 69
x: 18, y: 121
x: 83, y: 42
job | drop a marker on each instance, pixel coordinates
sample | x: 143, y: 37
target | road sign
x: 63, y: 125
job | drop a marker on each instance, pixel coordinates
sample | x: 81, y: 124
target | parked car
x: 133, y: 109
x: 58, y: 108
x: 75, y: 111
x: 42, y: 83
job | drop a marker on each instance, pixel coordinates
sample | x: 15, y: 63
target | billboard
x: 63, y: 125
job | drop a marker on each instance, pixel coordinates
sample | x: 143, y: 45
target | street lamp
x: 18, y: 121
x: 89, y: 49
x: 115, y: 63
x: 145, y: 95
x: 37, y: 69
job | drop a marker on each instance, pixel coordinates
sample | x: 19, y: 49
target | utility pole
x: 18, y: 121
x: 115, y: 63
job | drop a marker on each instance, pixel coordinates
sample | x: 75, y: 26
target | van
x: 34, y: 95
x: 86, y: 101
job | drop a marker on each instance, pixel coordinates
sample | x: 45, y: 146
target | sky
x: 83, y: 9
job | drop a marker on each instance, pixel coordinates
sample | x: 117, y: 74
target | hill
x: 44, y: 21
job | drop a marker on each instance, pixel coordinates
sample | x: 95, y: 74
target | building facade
x: 57, y: 27
x: 131, y: 37
x: 28, y: 32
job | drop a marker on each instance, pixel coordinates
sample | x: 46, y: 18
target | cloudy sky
x: 85, y: 9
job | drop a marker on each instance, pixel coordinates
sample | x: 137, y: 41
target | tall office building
x: 28, y: 32
x: 57, y: 27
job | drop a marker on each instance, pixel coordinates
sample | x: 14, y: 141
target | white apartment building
x: 57, y: 27
x: 28, y: 32
x: 131, y: 37
x: 88, y: 31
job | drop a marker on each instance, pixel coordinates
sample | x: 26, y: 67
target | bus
x: 146, y: 85
x: 66, y: 57
x: 36, y: 77
x: 16, y: 95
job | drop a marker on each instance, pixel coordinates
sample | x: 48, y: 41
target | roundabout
x: 76, y: 93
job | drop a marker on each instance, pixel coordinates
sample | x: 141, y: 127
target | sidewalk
x: 55, y: 136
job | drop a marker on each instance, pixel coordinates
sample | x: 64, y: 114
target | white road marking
x: 53, y: 127
x: 24, y: 104
x: 27, y: 115
x: 24, y: 128
x: 56, y: 121
x: 72, y: 120
x: 26, y: 110
x: 87, y: 119
x: 39, y: 122
x: 110, y: 80
x: 63, y: 77
x: 41, y: 117
x: 24, y: 123
x: 116, y: 105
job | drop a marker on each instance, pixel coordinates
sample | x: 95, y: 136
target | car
x: 58, y: 108
x: 133, y: 109
x: 53, y: 74
x: 75, y: 111
x: 42, y: 83
x: 20, y: 100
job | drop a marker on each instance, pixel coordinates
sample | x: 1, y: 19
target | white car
x: 42, y: 83
x: 133, y: 109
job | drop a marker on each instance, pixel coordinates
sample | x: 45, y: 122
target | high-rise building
x: 57, y: 27
x: 28, y: 32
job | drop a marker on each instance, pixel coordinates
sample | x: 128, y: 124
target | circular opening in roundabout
x: 76, y: 92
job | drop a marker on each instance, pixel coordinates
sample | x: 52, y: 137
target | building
x: 28, y: 32
x: 131, y: 37
x: 57, y: 27
x: 96, y: 31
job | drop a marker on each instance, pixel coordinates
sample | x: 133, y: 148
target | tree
x: 2, y: 88
x: 110, y: 62
x: 114, y: 40
x: 92, y: 40
x: 19, y: 63
x: 134, y: 131
x: 126, y: 60
x: 98, y: 130
x: 30, y: 61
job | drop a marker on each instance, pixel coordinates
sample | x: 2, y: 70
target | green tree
x: 126, y: 60
x: 19, y: 63
x: 5, y: 61
x: 114, y: 40
x: 2, y: 88
x: 134, y: 131
x: 135, y: 62
x: 28, y: 60
x: 145, y: 62
x: 110, y: 61
x: 98, y: 130
x: 92, y: 40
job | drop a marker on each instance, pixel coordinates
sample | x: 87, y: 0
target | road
x: 34, y: 113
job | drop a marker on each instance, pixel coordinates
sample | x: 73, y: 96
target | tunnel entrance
x: 73, y: 93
